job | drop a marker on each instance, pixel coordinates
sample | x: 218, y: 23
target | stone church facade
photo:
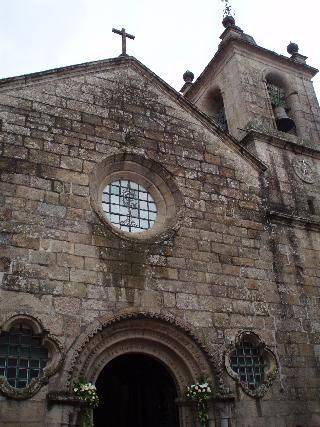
x: 150, y: 238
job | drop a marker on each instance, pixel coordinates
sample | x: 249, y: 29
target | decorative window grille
x: 247, y: 362
x: 22, y: 356
x: 129, y: 206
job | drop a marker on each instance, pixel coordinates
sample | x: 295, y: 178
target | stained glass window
x: 22, y: 356
x: 129, y: 206
x: 247, y: 362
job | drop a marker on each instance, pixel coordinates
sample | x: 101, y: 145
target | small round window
x: 129, y: 206
x: 136, y: 198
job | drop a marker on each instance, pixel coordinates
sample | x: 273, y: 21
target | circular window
x: 129, y: 206
x: 136, y: 197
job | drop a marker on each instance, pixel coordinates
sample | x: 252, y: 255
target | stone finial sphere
x: 292, y: 48
x: 188, y: 76
x: 228, y: 21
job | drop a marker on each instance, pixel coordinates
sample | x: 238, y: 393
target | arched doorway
x: 136, y: 390
x: 166, y: 341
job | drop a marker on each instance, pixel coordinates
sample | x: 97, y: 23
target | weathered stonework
x: 240, y: 252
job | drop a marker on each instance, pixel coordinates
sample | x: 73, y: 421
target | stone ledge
x: 293, y: 220
x: 64, y: 398
x: 285, y: 141
x: 182, y: 401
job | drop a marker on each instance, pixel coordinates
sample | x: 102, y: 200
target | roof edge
x: 24, y: 79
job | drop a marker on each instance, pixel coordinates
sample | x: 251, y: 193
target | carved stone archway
x: 162, y: 337
x: 169, y: 340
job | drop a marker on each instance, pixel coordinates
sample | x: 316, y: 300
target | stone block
x: 85, y: 250
x: 83, y: 276
x: 67, y: 305
x: 52, y: 210
x: 71, y: 261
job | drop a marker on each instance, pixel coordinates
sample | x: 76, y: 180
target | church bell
x: 284, y: 123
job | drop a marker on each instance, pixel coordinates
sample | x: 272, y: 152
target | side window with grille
x: 251, y: 363
x: 22, y: 356
x: 248, y: 363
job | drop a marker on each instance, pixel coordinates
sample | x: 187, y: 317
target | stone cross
x: 124, y: 38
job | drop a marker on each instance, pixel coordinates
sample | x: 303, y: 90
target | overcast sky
x: 171, y: 35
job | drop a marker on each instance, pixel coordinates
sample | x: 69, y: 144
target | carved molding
x: 271, y: 369
x: 163, y: 337
x: 54, y: 363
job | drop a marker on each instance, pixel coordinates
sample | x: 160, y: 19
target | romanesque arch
x: 168, y: 340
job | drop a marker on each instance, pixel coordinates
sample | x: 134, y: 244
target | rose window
x: 129, y: 206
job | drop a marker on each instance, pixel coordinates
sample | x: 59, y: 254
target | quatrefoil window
x: 22, y: 356
x: 29, y: 356
x: 251, y: 364
x: 248, y: 363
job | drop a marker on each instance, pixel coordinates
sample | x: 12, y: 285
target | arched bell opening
x: 215, y: 109
x: 279, y: 95
x: 136, y: 390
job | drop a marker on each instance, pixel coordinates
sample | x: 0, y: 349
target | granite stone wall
x: 226, y: 267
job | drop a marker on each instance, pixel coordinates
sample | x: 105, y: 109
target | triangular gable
x: 34, y: 79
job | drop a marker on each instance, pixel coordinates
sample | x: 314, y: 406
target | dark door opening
x: 136, y: 391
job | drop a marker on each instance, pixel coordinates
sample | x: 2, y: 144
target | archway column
x: 186, y: 413
x: 220, y: 412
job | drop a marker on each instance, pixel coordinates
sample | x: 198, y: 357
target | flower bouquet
x: 87, y: 392
x: 200, y: 392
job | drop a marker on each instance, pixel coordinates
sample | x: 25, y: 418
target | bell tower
x: 267, y: 102
x: 247, y: 87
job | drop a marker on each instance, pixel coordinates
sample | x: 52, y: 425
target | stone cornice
x: 293, y: 220
x: 223, y: 398
x: 282, y: 141
x: 64, y: 398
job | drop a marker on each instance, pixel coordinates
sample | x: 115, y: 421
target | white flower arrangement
x: 200, y: 392
x: 87, y: 392
x: 199, y: 389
